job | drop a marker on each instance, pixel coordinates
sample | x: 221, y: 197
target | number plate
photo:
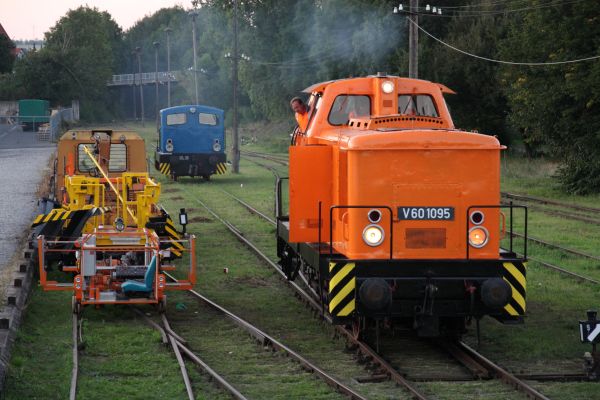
x: 426, y: 213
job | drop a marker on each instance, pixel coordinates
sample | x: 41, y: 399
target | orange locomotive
x: 394, y: 214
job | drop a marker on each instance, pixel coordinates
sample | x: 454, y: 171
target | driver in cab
x: 301, y: 112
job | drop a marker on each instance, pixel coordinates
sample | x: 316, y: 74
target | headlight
x: 387, y: 87
x: 216, y: 146
x: 373, y: 235
x: 169, y: 146
x: 478, y: 236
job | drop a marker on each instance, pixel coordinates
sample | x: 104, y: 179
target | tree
x: 7, y: 57
x: 554, y: 105
x: 77, y: 61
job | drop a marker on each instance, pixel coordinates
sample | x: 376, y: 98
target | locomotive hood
x: 419, y: 139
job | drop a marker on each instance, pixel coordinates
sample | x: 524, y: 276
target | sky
x: 29, y: 19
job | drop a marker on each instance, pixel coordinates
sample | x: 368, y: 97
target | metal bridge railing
x: 146, y: 77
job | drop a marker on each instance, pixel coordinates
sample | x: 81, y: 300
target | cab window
x: 176, y: 119
x: 314, y: 103
x: 117, y: 162
x: 118, y: 158
x: 349, y: 106
x: 420, y: 104
x: 207, y: 119
x: 84, y: 164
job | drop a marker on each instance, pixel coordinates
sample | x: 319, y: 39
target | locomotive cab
x: 191, y: 142
x: 396, y: 213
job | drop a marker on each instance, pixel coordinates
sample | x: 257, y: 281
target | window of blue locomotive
x: 421, y: 104
x: 176, y: 119
x: 346, y: 105
x: 208, y: 119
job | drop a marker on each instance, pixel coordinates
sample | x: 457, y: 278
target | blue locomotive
x: 191, y: 142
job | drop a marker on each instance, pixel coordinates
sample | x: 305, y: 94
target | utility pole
x: 413, y: 40
x: 168, y: 31
x: 194, y: 14
x: 133, y: 87
x: 235, y: 149
x: 138, y: 51
x: 157, y: 106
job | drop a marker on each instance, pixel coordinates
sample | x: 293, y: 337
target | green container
x: 32, y: 113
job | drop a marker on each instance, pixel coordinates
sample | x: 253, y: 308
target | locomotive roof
x: 186, y: 107
x: 319, y: 87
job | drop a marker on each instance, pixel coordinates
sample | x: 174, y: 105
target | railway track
x: 180, y: 348
x: 75, y: 371
x: 277, y: 159
x: 574, y: 212
x: 169, y: 337
x: 540, y: 200
x: 477, y: 364
x: 265, y: 339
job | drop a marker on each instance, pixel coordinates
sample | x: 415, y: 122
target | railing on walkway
x: 147, y: 77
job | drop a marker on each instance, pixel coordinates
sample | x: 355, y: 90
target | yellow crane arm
x: 91, y: 156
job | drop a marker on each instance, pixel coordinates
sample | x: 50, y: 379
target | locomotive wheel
x: 206, y: 177
x: 174, y: 177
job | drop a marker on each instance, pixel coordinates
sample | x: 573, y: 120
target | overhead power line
x: 451, y: 13
x: 504, y: 61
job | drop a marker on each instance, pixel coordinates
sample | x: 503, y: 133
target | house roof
x: 3, y: 32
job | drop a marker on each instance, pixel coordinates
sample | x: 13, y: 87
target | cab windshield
x: 349, y: 106
x: 417, y: 104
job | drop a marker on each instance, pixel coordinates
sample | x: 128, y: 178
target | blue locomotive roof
x: 178, y: 109
x: 192, y: 129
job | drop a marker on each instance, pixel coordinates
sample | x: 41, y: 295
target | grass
x: 537, y: 177
x: 124, y: 359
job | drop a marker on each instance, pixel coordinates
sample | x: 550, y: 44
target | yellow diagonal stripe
x: 340, y: 275
x: 511, y: 310
x: 49, y: 215
x: 178, y: 245
x: 348, y: 309
x: 516, y: 273
x: 176, y: 252
x: 342, y: 294
x: 171, y: 232
x: 516, y: 295
x: 38, y: 219
x: 57, y: 215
